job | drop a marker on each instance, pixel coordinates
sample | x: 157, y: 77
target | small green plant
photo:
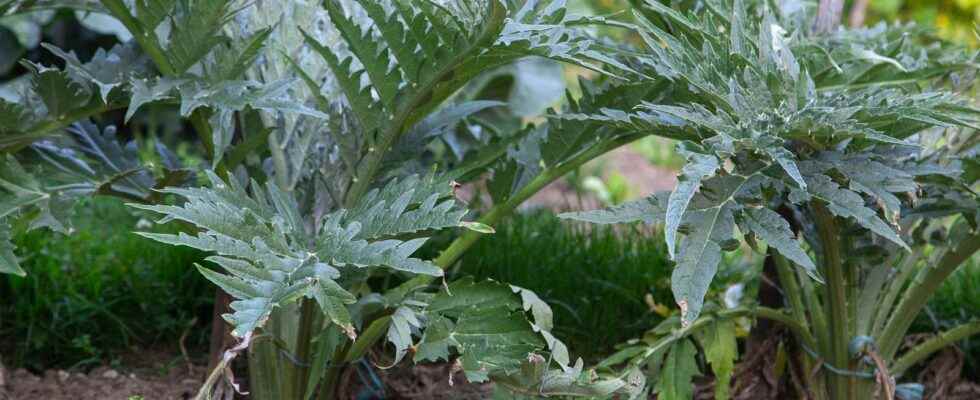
x: 846, y: 139
x: 611, y: 191
x: 659, y: 152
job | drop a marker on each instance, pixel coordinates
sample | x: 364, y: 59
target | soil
x: 148, y: 374
x: 165, y: 374
x: 161, y: 376
x: 414, y: 382
x: 103, y: 384
x: 754, y: 380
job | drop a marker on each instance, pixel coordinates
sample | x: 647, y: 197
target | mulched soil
x: 942, y: 377
x: 159, y: 377
x: 157, y: 373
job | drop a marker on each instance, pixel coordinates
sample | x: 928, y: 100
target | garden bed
x: 166, y: 374
x: 145, y: 374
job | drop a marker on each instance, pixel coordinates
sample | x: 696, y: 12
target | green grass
x: 595, y: 277
x: 594, y: 280
x: 100, y: 291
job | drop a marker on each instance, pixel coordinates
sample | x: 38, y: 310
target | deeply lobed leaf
x: 273, y: 255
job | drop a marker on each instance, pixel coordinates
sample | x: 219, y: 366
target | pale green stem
x: 940, y: 341
x: 705, y: 320
x: 818, y: 320
x: 836, y: 297
x: 331, y: 377
x: 498, y: 212
x: 816, y: 309
x: 792, y: 291
x: 926, y: 283
x: 895, y: 287
x: 368, y: 337
x: 853, y: 273
x: 309, y: 316
x: 264, y: 377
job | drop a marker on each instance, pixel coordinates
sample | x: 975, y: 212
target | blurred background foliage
x: 954, y: 20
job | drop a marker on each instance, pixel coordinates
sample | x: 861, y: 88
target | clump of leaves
x: 304, y: 112
x: 835, y: 139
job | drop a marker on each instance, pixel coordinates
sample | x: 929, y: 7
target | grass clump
x: 100, y: 291
x: 596, y: 281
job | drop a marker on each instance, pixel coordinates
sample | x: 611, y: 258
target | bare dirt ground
x: 415, y: 382
x: 102, y: 384
x: 406, y: 382
x: 148, y: 374
x: 155, y: 375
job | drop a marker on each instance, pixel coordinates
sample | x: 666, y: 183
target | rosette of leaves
x: 274, y: 255
x: 838, y: 152
x: 754, y: 127
x: 200, y: 68
x: 325, y: 211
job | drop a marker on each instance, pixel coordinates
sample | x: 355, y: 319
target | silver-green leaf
x: 771, y: 227
x: 698, y: 167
